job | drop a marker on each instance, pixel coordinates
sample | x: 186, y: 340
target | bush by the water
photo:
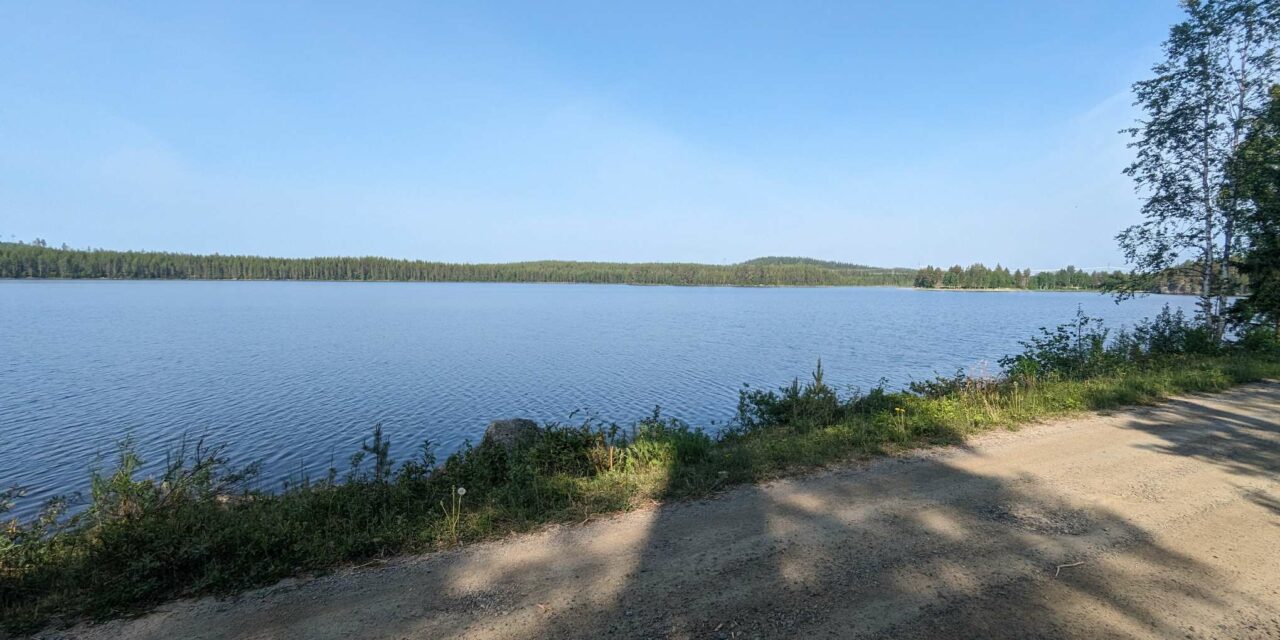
x: 1084, y: 347
x: 200, y: 528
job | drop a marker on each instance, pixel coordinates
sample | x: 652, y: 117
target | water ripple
x: 296, y: 374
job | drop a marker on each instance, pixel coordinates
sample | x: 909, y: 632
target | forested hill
x: 35, y: 260
x: 775, y: 260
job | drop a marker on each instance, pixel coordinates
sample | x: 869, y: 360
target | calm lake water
x: 295, y: 374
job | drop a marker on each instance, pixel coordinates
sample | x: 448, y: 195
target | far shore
x: 1008, y: 290
x: 562, y: 282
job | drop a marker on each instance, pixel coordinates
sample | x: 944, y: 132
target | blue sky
x: 889, y: 133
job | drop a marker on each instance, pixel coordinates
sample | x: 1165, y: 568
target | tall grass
x: 197, y: 528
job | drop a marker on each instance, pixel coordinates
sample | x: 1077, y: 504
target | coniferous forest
x: 38, y: 260
x: 979, y: 276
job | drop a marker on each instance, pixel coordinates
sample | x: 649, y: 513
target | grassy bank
x: 198, y: 530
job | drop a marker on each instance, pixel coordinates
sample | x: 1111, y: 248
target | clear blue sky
x: 891, y: 133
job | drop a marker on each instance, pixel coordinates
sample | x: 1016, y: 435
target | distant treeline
x: 1181, y: 279
x: 37, y: 260
x: 980, y: 276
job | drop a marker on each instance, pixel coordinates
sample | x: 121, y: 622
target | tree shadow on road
x: 1237, y: 439
x: 924, y: 549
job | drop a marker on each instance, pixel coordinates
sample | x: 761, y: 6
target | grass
x: 197, y: 530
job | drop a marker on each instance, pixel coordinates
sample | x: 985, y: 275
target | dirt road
x: 1159, y: 522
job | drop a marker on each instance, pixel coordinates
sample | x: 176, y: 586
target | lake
x: 296, y: 374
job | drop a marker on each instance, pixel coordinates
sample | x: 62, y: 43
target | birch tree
x: 1212, y: 83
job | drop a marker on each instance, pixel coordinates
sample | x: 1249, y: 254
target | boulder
x: 508, y: 433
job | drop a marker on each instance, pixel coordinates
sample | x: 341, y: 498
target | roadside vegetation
x: 199, y: 527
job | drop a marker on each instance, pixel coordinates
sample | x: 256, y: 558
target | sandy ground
x: 1158, y: 522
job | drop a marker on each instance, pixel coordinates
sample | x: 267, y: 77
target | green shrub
x: 1259, y: 339
x: 1077, y: 349
x: 1085, y: 348
x: 668, y: 442
x: 560, y: 450
x: 940, y: 386
x: 799, y: 406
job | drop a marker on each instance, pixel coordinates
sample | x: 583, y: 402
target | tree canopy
x: 1255, y: 171
x: 979, y: 276
x: 1212, y: 83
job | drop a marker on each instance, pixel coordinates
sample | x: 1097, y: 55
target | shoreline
x: 580, y: 473
x: 554, y: 282
x: 612, y: 575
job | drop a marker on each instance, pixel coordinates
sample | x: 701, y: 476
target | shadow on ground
x: 1241, y: 439
x: 1066, y: 533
